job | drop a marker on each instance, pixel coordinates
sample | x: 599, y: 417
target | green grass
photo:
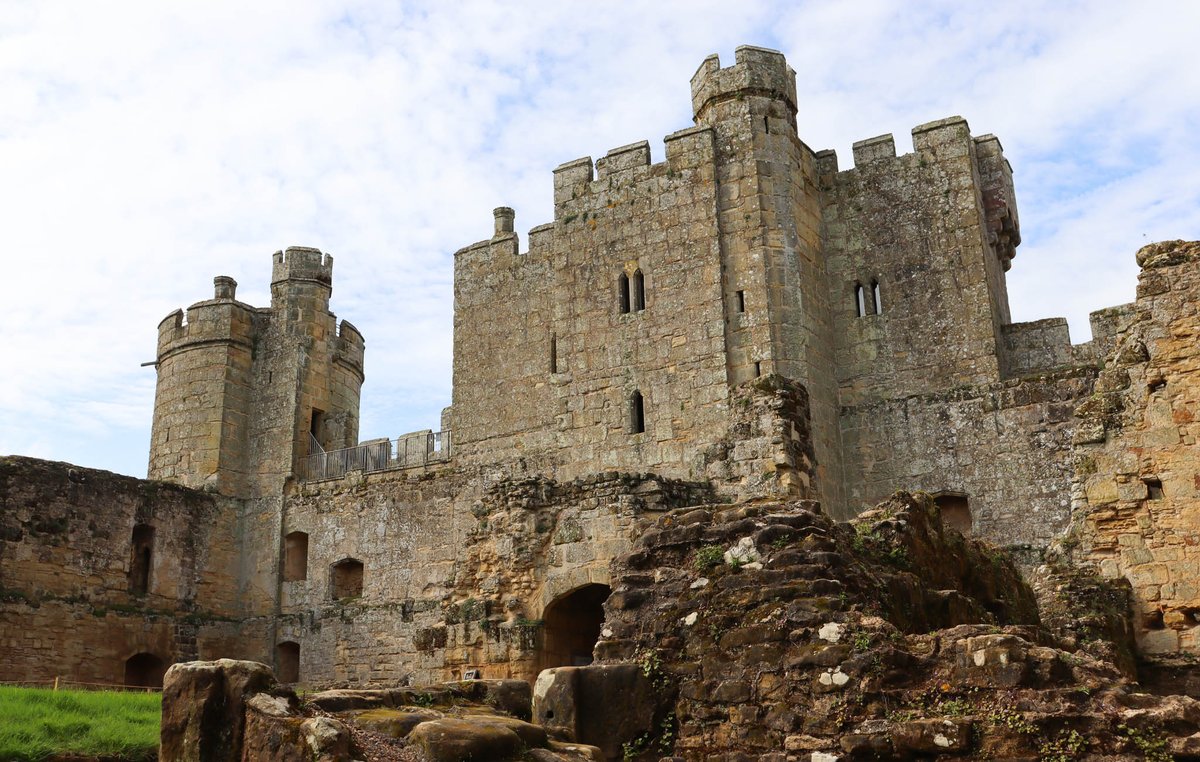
x: 35, y: 723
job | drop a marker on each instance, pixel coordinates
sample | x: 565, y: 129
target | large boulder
x: 204, y: 708
x: 608, y: 706
x: 453, y: 740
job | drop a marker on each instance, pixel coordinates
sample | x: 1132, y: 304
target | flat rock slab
x: 453, y: 740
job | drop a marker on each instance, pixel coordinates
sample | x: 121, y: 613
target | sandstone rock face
x: 230, y: 710
x: 891, y: 638
x: 608, y: 706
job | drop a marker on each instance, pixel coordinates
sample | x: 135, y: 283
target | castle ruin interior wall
x: 96, y: 568
x: 457, y: 568
x: 459, y: 563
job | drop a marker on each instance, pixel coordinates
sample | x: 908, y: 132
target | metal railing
x: 417, y: 449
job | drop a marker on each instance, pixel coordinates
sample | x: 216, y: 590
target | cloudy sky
x: 147, y: 146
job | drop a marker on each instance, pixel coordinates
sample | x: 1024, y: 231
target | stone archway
x: 144, y: 670
x: 571, y: 626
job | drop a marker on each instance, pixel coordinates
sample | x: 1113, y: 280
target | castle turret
x: 202, y: 402
x: 769, y: 217
x: 244, y: 393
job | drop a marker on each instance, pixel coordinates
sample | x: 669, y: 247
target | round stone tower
x: 244, y: 394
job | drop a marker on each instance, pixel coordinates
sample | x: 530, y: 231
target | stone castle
x: 742, y: 320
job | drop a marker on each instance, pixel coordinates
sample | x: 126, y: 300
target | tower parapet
x: 757, y: 71
x: 301, y: 263
x: 350, y: 347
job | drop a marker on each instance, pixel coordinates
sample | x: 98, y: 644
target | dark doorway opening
x: 144, y: 670
x: 956, y: 511
x: 637, y: 413
x: 141, y: 559
x: 571, y: 626
x: 287, y: 657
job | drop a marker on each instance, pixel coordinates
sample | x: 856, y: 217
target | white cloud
x: 145, y: 148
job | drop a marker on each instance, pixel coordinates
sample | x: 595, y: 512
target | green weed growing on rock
x: 708, y: 556
x: 1149, y: 742
x: 1068, y: 746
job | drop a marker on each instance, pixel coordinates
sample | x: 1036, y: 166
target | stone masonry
x: 745, y: 320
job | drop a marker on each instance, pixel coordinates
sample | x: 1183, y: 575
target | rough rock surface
x: 204, y: 708
x: 231, y: 710
x: 889, y: 638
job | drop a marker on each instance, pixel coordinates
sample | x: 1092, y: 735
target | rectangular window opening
x: 741, y: 301
x: 1154, y: 489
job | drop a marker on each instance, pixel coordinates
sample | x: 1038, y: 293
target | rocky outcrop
x: 768, y: 632
x: 233, y: 710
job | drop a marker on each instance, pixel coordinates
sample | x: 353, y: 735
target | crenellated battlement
x: 941, y: 139
x: 350, y: 347
x: 301, y: 263
x: 874, y: 149
x: 627, y: 165
x: 221, y: 320
x: 757, y: 71
x: 241, y: 389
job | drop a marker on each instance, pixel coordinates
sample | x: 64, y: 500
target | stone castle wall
x: 460, y: 563
x: 546, y: 361
x: 999, y: 445
x: 739, y: 321
x: 916, y: 226
x: 1137, y: 490
x: 70, y: 598
x: 457, y: 569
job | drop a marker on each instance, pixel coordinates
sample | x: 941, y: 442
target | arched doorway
x: 956, y: 511
x: 144, y: 670
x: 571, y: 626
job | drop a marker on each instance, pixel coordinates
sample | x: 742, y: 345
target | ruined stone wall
x: 1002, y: 445
x: 458, y: 567
x: 70, y: 587
x: 1137, y: 491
